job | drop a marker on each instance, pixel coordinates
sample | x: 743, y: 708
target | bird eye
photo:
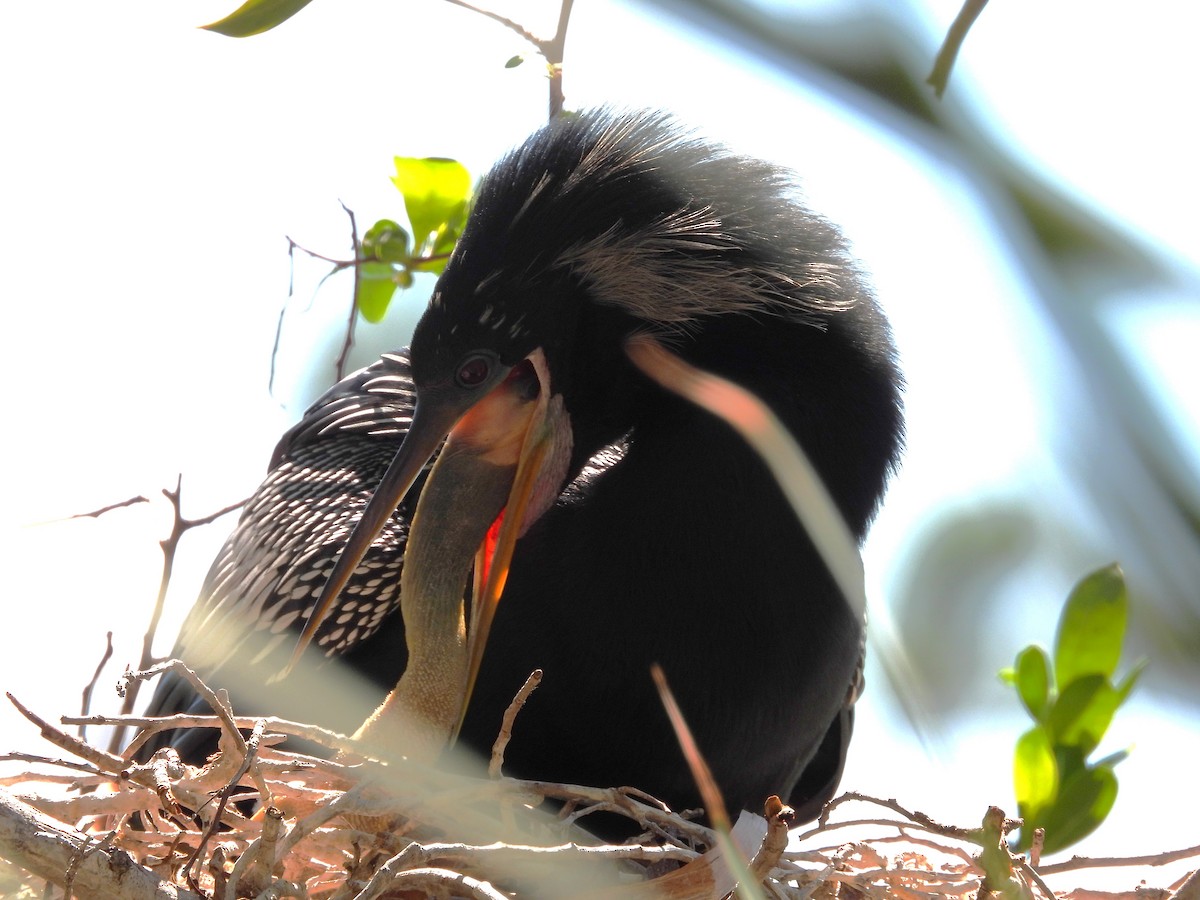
x: 473, y: 371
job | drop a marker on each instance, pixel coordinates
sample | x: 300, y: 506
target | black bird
x: 653, y: 533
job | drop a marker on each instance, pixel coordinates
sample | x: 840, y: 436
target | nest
x: 259, y: 821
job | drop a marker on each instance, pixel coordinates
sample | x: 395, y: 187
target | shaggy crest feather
x: 667, y: 256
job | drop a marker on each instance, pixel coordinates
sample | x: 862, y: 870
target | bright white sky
x: 149, y: 173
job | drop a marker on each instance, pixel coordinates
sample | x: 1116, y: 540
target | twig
x: 86, y: 702
x: 46, y: 848
x: 916, y: 818
x: 940, y: 75
x: 45, y: 760
x: 153, y: 724
x: 254, y: 871
x: 435, y: 882
x: 497, y: 761
x: 97, y: 513
x: 1190, y: 889
x: 339, y: 367
x: 179, y: 527
x: 249, y: 749
x: 105, y: 762
x: 779, y: 817
x: 1035, y: 847
x: 1099, y: 862
x: 131, y: 679
x: 551, y: 49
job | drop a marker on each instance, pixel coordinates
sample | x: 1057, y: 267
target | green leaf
x: 1092, y: 627
x: 1032, y: 680
x: 1127, y: 683
x: 386, y: 241
x: 1083, y: 712
x: 514, y: 61
x: 1035, y: 773
x: 435, y: 191
x: 375, y: 290
x: 1084, y: 801
x: 256, y: 16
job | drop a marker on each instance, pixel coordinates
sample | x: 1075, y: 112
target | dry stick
x: 46, y: 848
x: 48, y: 761
x: 179, y: 527
x: 1022, y: 865
x: 497, y: 761
x: 339, y: 366
x: 86, y: 702
x: 249, y: 749
x: 1083, y: 862
x: 150, y: 725
x: 130, y: 680
x: 1190, y: 889
x: 919, y: 819
x: 258, y: 875
x: 962, y: 23
x: 81, y: 856
x: 97, y: 513
x: 105, y: 762
x: 435, y: 882
x: 779, y: 817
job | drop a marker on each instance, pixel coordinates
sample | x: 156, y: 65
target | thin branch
x: 506, y: 22
x: 249, y: 752
x: 957, y: 33
x: 554, y: 52
x: 97, y: 513
x: 339, y: 368
x: 1099, y: 862
x: 496, y: 763
x: 47, y: 849
x: 86, y: 701
x: 551, y: 49
x: 179, y: 527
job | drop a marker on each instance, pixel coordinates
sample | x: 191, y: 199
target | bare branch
x: 85, y: 704
x: 179, y: 527
x: 48, y: 849
x: 497, y: 761
x: 957, y: 33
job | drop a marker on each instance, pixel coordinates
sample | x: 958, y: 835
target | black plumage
x: 655, y: 534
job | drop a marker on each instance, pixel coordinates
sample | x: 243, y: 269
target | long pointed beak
x: 492, y: 469
x: 429, y: 427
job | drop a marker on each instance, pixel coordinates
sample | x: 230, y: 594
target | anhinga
x: 647, y: 530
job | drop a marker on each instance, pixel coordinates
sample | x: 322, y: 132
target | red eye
x: 474, y: 371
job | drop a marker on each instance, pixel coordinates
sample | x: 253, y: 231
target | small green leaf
x: 1032, y: 680
x: 375, y: 290
x: 514, y: 61
x: 1092, y: 627
x: 434, y: 190
x: 1035, y: 773
x: 386, y: 241
x: 1084, y: 801
x: 1083, y: 712
x: 256, y: 16
x: 1127, y: 683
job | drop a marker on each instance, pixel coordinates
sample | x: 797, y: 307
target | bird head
x: 599, y: 228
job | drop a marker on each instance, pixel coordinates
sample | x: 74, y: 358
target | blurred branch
x: 179, y: 527
x: 962, y: 23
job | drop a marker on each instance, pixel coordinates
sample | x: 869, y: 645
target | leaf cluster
x: 437, y: 194
x: 1072, y: 700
